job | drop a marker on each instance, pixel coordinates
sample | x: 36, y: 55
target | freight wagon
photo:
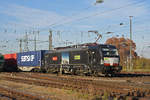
x: 93, y: 59
x: 1, y: 62
x: 10, y: 62
x: 30, y: 61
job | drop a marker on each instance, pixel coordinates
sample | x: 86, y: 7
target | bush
x: 139, y: 64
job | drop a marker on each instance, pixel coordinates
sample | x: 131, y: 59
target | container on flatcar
x: 10, y: 62
x: 30, y: 61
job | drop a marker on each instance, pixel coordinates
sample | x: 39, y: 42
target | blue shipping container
x: 31, y: 58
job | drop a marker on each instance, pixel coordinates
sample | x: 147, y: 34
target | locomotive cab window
x: 109, y: 51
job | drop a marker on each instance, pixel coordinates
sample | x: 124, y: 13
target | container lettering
x: 27, y: 58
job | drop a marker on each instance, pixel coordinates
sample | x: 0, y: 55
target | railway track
x: 8, y: 93
x: 94, y: 87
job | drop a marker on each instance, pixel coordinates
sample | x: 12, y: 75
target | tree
x: 123, y: 46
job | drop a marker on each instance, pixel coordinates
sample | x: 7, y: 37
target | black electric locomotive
x: 90, y: 59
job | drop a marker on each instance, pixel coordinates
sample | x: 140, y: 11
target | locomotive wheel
x: 74, y: 71
x: 109, y: 75
x: 36, y: 70
x: 48, y: 71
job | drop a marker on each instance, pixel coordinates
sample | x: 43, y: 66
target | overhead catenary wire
x: 101, y: 13
x: 68, y: 20
x: 96, y: 14
x: 73, y: 14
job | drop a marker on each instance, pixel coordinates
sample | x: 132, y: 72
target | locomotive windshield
x: 109, y: 51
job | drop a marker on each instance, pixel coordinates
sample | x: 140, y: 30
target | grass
x: 137, y: 70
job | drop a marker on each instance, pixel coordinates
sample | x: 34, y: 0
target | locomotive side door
x: 94, y: 57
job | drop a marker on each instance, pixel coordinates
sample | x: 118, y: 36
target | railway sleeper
x: 12, y: 93
x: 81, y: 87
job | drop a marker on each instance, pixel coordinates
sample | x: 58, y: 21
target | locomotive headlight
x: 102, y: 61
x: 93, y: 52
x: 117, y: 52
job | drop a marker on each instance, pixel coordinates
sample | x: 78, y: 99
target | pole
x: 130, y: 42
x: 20, y: 45
x: 26, y: 42
x: 50, y: 39
x: 81, y: 36
x: 34, y: 40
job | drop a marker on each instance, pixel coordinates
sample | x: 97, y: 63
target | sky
x: 70, y: 21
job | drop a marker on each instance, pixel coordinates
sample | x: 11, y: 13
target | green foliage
x: 105, y: 96
x: 139, y: 64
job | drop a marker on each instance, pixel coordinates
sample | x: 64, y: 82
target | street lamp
x: 121, y: 24
x: 99, y: 1
x: 109, y: 32
x: 130, y: 56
